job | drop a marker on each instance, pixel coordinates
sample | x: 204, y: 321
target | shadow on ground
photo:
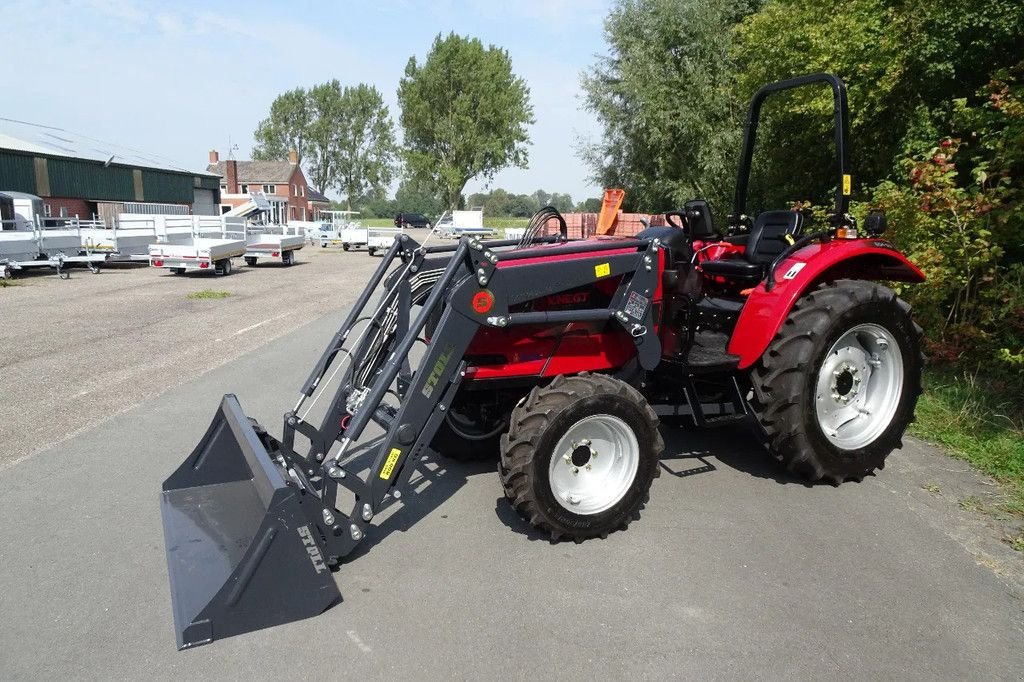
x: 688, y: 453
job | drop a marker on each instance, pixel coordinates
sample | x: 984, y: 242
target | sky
x: 176, y: 79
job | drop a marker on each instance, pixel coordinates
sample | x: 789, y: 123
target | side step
x: 708, y: 353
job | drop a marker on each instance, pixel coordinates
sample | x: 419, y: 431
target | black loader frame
x: 241, y: 570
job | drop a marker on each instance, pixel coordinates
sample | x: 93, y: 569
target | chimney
x: 231, y: 176
x: 214, y: 156
x: 293, y: 157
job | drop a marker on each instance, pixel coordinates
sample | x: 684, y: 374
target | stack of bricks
x: 582, y: 225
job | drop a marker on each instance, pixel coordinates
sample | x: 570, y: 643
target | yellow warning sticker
x: 602, y: 270
x: 789, y: 239
x: 847, y: 185
x: 389, y: 464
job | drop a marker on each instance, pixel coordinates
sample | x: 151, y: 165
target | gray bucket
x: 241, y: 553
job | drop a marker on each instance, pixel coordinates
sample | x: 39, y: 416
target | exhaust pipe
x: 241, y: 553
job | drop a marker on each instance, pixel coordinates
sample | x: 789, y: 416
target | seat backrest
x: 768, y: 237
x: 701, y: 224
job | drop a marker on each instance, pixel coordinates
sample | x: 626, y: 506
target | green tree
x: 414, y: 196
x: 904, y: 65
x: 665, y: 97
x: 285, y: 129
x: 464, y: 114
x: 562, y: 202
x: 344, y: 137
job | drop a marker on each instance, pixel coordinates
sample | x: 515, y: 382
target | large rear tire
x: 580, y: 456
x: 837, y: 387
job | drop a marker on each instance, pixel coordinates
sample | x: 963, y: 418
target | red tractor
x: 556, y: 356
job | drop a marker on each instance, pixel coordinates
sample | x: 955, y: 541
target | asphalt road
x: 736, y: 572
x: 76, y: 352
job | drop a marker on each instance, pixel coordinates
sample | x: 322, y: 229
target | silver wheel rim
x: 593, y: 464
x: 859, y: 386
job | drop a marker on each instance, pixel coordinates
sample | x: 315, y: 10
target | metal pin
x: 367, y: 512
x: 328, y: 517
x: 356, y: 534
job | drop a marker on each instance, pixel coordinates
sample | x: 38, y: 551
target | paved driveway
x: 734, y: 572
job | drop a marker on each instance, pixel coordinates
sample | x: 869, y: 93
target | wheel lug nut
x: 575, y: 470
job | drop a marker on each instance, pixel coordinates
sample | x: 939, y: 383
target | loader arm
x: 252, y: 523
x: 477, y: 288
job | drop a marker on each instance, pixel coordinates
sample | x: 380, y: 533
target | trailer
x: 381, y: 238
x: 277, y: 242
x: 213, y: 242
x: 127, y: 240
x: 25, y: 242
x: 456, y: 224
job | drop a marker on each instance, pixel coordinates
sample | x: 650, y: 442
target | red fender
x: 765, y: 311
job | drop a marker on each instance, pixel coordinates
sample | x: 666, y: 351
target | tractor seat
x: 773, y: 233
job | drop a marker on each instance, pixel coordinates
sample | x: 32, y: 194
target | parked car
x: 403, y: 220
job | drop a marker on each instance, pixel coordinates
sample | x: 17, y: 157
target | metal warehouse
x: 77, y: 176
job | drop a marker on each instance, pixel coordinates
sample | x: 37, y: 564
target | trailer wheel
x: 323, y: 245
x: 287, y: 258
x: 223, y: 267
x: 372, y: 251
x: 178, y: 271
x: 6, y: 272
x: 580, y: 456
x: 250, y: 261
x: 346, y: 247
x: 838, y: 385
x: 94, y: 268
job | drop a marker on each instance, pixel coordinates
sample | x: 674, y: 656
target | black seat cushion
x: 734, y: 268
x: 773, y: 232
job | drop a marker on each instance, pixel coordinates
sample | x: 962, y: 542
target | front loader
x: 556, y: 357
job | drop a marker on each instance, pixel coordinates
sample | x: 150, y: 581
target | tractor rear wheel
x: 837, y: 386
x: 580, y: 456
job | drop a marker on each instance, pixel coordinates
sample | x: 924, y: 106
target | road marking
x: 260, y: 324
x: 363, y: 646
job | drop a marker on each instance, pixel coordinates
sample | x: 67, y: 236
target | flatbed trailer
x: 24, y: 246
x: 214, y: 241
x: 276, y: 242
x: 380, y: 238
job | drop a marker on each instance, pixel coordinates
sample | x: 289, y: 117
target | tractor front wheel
x: 838, y: 384
x: 580, y: 456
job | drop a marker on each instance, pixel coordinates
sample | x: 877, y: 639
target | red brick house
x: 281, y: 183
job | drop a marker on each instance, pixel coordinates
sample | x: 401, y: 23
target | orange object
x: 610, y: 210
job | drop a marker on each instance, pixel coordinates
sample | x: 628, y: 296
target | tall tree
x: 664, y: 95
x: 464, y: 113
x: 344, y: 137
x: 365, y: 142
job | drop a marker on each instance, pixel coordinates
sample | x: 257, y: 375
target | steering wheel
x: 679, y: 220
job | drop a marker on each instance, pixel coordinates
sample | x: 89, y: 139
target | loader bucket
x: 241, y: 553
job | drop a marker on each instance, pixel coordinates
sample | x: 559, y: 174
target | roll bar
x: 841, y: 124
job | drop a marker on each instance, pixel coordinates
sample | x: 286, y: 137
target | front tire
x: 837, y: 387
x: 580, y: 456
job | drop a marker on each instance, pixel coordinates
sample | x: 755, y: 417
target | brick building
x: 281, y: 183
